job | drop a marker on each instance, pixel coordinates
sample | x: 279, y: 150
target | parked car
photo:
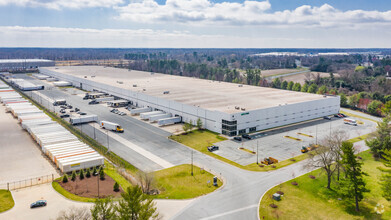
x: 93, y: 102
x: 122, y: 113
x: 72, y: 110
x: 64, y: 116
x: 63, y: 106
x: 38, y: 203
x: 77, y: 109
x: 246, y: 136
x: 327, y: 117
x: 237, y: 138
x: 343, y: 115
x: 62, y: 111
x: 213, y: 148
x: 338, y: 116
x: 85, y: 97
x: 81, y: 113
x: 69, y: 106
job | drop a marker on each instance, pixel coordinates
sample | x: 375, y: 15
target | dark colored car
x: 93, y: 102
x: 246, y: 136
x: 63, y: 106
x: 69, y: 106
x: 338, y: 116
x: 82, y: 113
x: 77, y: 109
x: 64, y: 116
x: 343, y: 115
x: 85, y: 97
x: 38, y: 203
x: 327, y: 117
x: 237, y: 138
x: 213, y: 148
x: 62, y: 111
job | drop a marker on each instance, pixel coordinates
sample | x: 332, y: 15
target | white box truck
x: 111, y: 126
x: 83, y: 119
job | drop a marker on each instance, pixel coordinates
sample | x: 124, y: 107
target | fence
x: 28, y: 182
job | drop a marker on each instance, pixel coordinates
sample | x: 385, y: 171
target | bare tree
x: 74, y: 213
x: 335, y: 140
x: 146, y: 180
x: 323, y: 157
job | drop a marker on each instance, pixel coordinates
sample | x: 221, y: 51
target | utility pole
x: 108, y: 143
x: 257, y: 151
x: 192, y: 162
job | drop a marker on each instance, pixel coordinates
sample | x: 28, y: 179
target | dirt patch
x: 88, y: 187
x: 300, y: 78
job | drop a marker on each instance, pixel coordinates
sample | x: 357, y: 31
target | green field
x: 6, y: 200
x: 312, y: 200
x: 177, y: 183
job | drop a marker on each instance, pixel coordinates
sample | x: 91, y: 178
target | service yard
x: 277, y: 144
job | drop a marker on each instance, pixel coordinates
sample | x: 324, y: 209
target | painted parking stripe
x: 231, y: 212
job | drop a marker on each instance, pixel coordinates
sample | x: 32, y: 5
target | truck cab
x: 120, y: 129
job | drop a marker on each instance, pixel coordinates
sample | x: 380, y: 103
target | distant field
x: 267, y: 73
x: 300, y: 78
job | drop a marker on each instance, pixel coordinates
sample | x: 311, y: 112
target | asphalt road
x: 237, y: 199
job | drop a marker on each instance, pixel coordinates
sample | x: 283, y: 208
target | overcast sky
x: 196, y: 23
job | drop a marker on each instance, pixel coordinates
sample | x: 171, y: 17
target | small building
x: 24, y: 64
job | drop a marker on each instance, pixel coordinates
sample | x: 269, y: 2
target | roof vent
x: 237, y: 107
x: 243, y: 109
x: 134, y: 85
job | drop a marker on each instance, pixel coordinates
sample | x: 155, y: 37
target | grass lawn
x: 200, y: 140
x: 311, y: 200
x: 6, y: 200
x: 177, y: 182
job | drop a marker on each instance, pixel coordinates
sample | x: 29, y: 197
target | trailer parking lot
x: 20, y: 157
x: 275, y: 144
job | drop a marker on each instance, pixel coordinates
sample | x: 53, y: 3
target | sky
x: 195, y: 23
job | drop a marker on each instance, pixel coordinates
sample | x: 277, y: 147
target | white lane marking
x: 230, y: 212
x: 145, y: 153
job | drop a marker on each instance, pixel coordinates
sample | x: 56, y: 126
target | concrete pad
x: 55, y: 203
x: 169, y: 208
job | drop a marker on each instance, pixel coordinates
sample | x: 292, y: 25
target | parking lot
x: 20, y: 156
x: 275, y: 144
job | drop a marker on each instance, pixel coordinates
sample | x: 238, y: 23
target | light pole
x: 192, y: 162
x: 94, y: 132
x: 316, y: 134
x: 257, y: 151
x: 108, y: 143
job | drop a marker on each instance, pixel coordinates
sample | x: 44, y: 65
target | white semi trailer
x: 83, y: 119
x: 111, y: 126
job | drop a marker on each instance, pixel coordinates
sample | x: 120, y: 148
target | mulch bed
x: 88, y: 187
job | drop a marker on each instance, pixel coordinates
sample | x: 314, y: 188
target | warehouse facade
x: 225, y: 108
x: 23, y: 64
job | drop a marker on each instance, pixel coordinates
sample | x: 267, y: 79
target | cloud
x: 60, y: 4
x: 19, y: 36
x: 252, y: 13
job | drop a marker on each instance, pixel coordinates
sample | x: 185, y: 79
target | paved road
x: 287, y: 74
x: 238, y: 199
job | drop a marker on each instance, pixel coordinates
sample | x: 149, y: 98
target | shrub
x: 116, y: 187
x: 88, y: 173
x: 94, y: 172
x: 312, y: 177
x: 65, y: 178
x: 280, y: 192
x: 101, y: 174
x: 261, y: 165
x: 294, y: 183
x: 273, y: 205
x: 81, y: 175
x: 73, y: 177
x: 273, y: 166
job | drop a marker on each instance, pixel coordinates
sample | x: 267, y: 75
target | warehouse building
x: 227, y: 108
x: 23, y: 64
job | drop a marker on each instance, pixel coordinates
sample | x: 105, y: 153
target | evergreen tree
x: 81, y: 175
x: 65, y: 178
x: 353, y: 186
x: 276, y: 83
x: 297, y: 87
x: 312, y: 88
x: 94, y: 172
x: 136, y: 205
x: 102, y: 174
x: 322, y: 90
x: 88, y: 173
x: 304, y: 88
x: 116, y: 187
x: 290, y: 85
x: 104, y: 209
x: 344, y: 100
x: 385, y: 179
x: 73, y: 177
x: 284, y: 85
x: 380, y: 140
